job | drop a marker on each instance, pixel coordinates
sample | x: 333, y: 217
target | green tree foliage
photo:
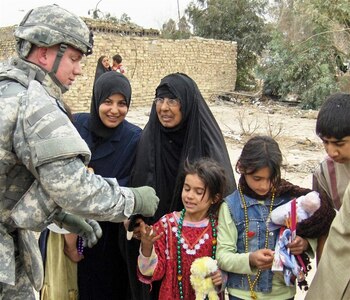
x: 328, y: 12
x: 123, y: 20
x: 239, y: 20
x: 171, y: 30
x: 303, y: 57
x: 306, y: 69
x: 95, y: 13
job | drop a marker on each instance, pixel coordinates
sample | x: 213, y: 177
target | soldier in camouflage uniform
x: 42, y: 157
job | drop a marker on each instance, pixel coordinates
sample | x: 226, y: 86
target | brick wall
x: 147, y: 58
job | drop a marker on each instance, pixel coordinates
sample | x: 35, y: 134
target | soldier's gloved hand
x: 146, y: 201
x: 89, y: 230
x: 94, y: 236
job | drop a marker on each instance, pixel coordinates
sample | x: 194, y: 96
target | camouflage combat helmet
x: 51, y: 25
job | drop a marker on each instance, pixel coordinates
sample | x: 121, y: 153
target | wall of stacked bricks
x: 147, y: 58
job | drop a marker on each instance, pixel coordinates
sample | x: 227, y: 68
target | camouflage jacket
x: 42, y: 168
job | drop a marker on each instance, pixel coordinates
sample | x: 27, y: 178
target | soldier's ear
x: 46, y: 57
x: 41, y: 54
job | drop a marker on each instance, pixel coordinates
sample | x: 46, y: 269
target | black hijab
x: 100, y: 68
x: 107, y: 84
x: 162, y: 151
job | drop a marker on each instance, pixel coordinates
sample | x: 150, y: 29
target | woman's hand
x: 136, y: 231
x: 70, y: 248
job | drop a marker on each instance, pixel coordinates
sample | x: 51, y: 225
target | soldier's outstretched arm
x: 50, y: 147
x: 76, y: 190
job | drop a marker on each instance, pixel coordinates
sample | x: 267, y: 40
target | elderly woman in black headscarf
x: 181, y: 126
x: 102, y: 271
x: 164, y: 147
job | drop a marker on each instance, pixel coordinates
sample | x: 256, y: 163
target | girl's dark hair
x: 213, y: 176
x: 333, y: 119
x: 260, y: 152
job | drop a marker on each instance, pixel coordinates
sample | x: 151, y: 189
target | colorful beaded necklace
x: 246, y: 224
x: 179, y: 259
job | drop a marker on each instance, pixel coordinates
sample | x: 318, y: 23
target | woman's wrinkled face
x: 168, y: 111
x: 113, y: 110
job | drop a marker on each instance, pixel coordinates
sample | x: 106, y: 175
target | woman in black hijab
x: 102, y: 66
x: 102, y: 270
x: 163, y: 149
x: 102, y: 274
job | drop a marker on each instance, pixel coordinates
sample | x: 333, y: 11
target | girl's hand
x: 148, y: 237
x: 216, y: 277
x: 298, y: 246
x: 261, y: 259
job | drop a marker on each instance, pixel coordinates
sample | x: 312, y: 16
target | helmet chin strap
x: 52, y: 73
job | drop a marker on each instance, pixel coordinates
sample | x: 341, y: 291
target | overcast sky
x: 146, y: 13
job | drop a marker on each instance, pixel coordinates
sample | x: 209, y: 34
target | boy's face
x: 338, y: 150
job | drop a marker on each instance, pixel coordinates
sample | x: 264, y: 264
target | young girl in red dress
x: 169, y: 247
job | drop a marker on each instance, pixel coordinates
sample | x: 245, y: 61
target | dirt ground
x: 293, y: 128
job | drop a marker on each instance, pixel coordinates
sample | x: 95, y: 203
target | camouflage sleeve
x: 72, y: 187
x: 47, y: 143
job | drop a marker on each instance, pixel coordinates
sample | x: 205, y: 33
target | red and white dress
x: 196, y: 241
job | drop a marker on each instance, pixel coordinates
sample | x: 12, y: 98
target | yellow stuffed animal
x: 201, y: 282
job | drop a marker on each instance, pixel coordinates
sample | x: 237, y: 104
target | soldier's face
x: 69, y: 66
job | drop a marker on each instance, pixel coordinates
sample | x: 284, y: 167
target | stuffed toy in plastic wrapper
x: 306, y: 207
x: 285, y: 217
